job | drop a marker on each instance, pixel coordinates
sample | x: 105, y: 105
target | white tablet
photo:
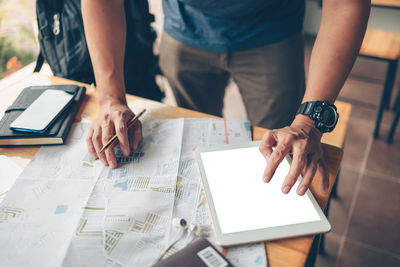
x: 243, y: 208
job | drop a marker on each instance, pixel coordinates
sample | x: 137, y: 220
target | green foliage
x: 7, y: 51
x: 16, y: 34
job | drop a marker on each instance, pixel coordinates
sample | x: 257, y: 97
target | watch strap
x: 314, y: 110
x: 306, y: 108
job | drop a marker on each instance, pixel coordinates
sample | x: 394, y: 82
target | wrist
x: 306, y: 124
x: 108, y: 102
x: 303, y: 119
x: 111, y: 93
x: 112, y: 98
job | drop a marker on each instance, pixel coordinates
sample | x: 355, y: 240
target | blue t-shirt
x: 232, y: 25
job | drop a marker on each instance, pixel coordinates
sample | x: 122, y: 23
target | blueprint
x: 41, y: 211
x: 86, y: 247
x: 161, y: 181
x: 140, y: 195
x: 68, y: 210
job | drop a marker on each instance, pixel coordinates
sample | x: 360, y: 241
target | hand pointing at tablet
x: 340, y: 36
x: 301, y: 140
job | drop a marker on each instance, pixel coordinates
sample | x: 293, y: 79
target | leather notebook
x: 56, y: 133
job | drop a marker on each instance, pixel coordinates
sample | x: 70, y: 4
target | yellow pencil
x: 131, y: 122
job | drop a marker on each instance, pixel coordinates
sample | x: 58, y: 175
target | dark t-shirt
x: 232, y: 25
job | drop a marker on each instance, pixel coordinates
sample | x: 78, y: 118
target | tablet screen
x: 241, y: 198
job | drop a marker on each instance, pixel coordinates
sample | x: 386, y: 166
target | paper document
x: 40, y: 213
x: 67, y: 210
x: 9, y: 171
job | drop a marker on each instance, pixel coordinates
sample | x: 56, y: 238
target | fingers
x: 98, y: 144
x: 90, y: 145
x: 268, y: 141
x: 107, y: 133
x: 303, y: 140
x: 324, y: 172
x: 298, y: 163
x: 137, y: 135
x: 113, y: 118
x: 275, y: 159
x: 305, y: 183
x: 122, y: 133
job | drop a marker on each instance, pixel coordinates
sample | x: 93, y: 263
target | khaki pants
x: 270, y: 78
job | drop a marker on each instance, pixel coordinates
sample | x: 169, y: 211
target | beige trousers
x: 270, y: 78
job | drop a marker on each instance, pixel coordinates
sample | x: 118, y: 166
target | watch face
x: 329, y: 117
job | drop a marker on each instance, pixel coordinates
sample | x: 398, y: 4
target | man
x: 259, y: 44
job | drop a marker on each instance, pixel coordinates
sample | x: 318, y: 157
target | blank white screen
x: 243, y: 201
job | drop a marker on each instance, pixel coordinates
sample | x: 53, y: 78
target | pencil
x: 131, y: 122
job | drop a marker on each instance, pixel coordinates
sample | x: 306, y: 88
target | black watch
x: 323, y: 113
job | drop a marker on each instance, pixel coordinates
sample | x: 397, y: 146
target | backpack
x: 63, y: 45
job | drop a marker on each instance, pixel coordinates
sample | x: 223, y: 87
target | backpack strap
x: 39, y: 62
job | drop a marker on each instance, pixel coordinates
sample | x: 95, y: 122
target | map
x: 68, y: 210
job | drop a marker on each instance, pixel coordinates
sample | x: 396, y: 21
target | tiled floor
x: 366, y: 214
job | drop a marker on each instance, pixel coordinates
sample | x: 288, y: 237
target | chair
x: 395, y: 120
x: 382, y: 45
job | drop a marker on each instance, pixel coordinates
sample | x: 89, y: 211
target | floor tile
x: 385, y: 158
x: 340, y: 206
x: 376, y: 219
x: 355, y: 254
x: 328, y: 258
x: 357, y: 137
x: 384, y: 131
x: 369, y: 69
x: 367, y: 114
x: 360, y: 91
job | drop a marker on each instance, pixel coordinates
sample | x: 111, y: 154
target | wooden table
x: 395, y: 4
x: 290, y: 252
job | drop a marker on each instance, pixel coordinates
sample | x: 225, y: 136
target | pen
x: 131, y: 122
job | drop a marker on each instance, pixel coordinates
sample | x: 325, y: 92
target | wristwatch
x: 323, y: 113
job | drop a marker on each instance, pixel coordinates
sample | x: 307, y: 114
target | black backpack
x: 63, y: 45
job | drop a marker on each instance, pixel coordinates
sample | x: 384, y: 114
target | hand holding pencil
x: 113, y: 139
x: 115, y: 122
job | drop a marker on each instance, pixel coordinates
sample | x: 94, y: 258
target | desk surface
x: 289, y: 252
x: 386, y: 3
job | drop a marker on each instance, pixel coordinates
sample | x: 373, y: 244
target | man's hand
x: 113, y: 118
x: 301, y: 140
x: 105, y: 32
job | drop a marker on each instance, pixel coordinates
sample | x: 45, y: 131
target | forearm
x: 105, y: 30
x: 337, y: 45
x: 335, y: 50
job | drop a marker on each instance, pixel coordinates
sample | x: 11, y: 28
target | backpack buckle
x: 56, y: 24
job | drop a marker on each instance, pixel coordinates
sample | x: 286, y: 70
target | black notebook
x: 56, y: 133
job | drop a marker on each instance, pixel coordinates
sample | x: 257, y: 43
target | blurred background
x: 365, y: 214
x: 18, y: 45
